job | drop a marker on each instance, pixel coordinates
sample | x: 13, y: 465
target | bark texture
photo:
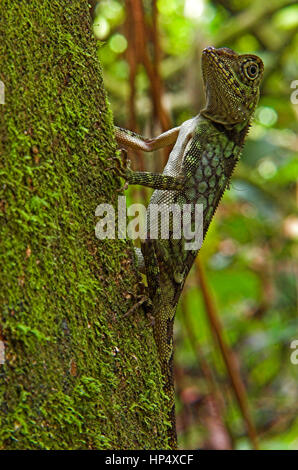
x: 77, y: 374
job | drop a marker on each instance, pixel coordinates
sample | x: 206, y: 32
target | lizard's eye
x: 251, y: 70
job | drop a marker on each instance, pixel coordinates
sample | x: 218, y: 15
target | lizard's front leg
x: 132, y: 140
x: 155, y: 180
x: 143, y: 178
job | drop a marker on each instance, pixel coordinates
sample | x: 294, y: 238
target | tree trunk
x: 76, y: 373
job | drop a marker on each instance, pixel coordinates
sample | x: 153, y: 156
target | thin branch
x: 215, y: 400
x: 248, y: 19
x: 227, y: 353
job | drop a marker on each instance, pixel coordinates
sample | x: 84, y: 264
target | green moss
x: 77, y: 374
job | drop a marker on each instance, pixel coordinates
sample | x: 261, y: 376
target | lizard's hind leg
x: 142, y: 298
x: 140, y: 260
x: 151, y: 268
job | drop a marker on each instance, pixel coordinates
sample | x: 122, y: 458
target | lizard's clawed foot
x: 121, y: 164
x: 141, y: 300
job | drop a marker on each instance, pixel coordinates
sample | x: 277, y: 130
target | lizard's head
x: 231, y: 84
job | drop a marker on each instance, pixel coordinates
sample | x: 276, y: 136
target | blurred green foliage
x: 250, y: 251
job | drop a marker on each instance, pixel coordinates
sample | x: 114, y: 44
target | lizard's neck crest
x: 235, y: 133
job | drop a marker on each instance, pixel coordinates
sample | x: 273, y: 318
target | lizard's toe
x: 121, y: 164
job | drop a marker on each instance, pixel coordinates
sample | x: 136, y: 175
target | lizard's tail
x: 163, y: 333
x: 163, y: 313
x: 170, y: 391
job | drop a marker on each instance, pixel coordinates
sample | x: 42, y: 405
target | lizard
x: 199, y: 168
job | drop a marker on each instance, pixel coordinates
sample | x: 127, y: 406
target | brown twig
x: 227, y: 353
x: 135, y: 9
x: 215, y: 401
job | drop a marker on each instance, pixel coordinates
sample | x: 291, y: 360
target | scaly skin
x: 198, y: 172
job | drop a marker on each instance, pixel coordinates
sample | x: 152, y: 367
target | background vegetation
x: 236, y: 385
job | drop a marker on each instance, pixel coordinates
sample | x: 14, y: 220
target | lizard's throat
x: 225, y: 117
x: 225, y: 108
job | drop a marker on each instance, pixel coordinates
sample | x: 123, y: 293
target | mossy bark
x: 77, y: 374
